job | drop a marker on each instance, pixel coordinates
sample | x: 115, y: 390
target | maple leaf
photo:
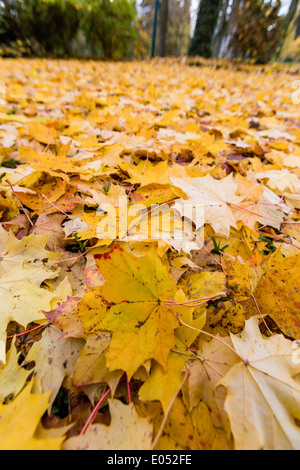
x: 8, y: 205
x: 97, y: 196
x: 278, y: 292
x: 280, y: 180
x: 187, y: 336
x: 133, y: 310
x: 179, y: 432
x: 242, y: 278
x: 162, y: 385
x: 52, y: 190
x: 55, y: 358
x: 268, y: 210
x: 19, y: 423
x: 50, y: 200
x: 127, y: 432
x: 12, y: 376
x: 29, y: 251
x: 163, y: 224
x: 22, y: 272
x: 205, y: 285
x: 153, y: 194
x: 268, y: 378
x: 22, y: 298
x: 215, y: 196
x: 63, y: 317
x: 52, y: 226
x: 91, y: 365
x: 146, y: 173
x: 47, y: 162
x: 4, y: 235
x: 206, y: 400
x: 43, y: 134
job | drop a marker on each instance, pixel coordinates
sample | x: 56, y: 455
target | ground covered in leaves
x: 114, y: 336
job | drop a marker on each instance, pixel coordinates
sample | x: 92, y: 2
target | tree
x: 51, y: 27
x: 207, y: 19
x: 288, y: 23
x: 174, y: 38
x: 227, y: 43
x: 258, y: 31
x: 108, y: 27
x: 288, y: 19
x: 290, y: 50
x: 145, y: 24
x: 164, y: 14
x: 31, y: 22
x: 221, y: 29
x: 179, y: 27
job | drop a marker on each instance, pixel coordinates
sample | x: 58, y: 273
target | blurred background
x: 257, y: 31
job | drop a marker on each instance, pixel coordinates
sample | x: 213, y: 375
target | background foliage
x: 256, y: 30
x: 61, y: 28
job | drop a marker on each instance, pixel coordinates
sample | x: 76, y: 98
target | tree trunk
x: 163, y: 26
x: 290, y: 16
x: 221, y: 30
x: 286, y: 22
x: 297, y: 27
x: 207, y: 20
x: 131, y: 47
x: 227, y: 48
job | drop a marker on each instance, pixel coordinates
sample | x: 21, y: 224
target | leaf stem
x: 278, y: 238
x: 203, y: 246
x: 196, y: 302
x: 260, y: 215
x: 94, y: 412
x: 214, y: 337
x: 80, y: 256
x: 29, y: 331
x: 128, y: 390
x: 260, y: 313
x: 57, y: 208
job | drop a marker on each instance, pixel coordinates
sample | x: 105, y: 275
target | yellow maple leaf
x: 42, y: 133
x: 277, y: 293
x: 12, y: 376
x: 133, y: 309
x: 19, y: 421
x: 127, y: 431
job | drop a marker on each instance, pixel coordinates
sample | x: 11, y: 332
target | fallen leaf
x: 278, y: 293
x: 134, y: 310
x: 127, y: 432
x: 19, y: 422
x: 268, y: 378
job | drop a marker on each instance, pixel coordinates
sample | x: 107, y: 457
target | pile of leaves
x: 136, y: 342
